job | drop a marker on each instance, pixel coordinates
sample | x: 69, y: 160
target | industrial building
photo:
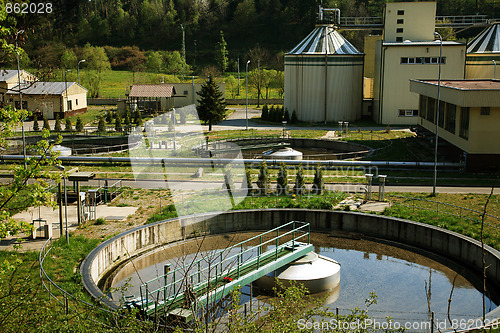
x: 469, y: 114
x: 408, y: 50
x: 324, y: 77
x: 46, y: 99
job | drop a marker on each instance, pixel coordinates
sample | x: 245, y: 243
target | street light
x: 66, y: 85
x: 62, y: 168
x: 437, y: 112
x: 494, y: 69
x: 21, y: 97
x: 78, y: 68
x: 246, y: 82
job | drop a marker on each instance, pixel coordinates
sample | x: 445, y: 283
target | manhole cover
x: 115, y: 217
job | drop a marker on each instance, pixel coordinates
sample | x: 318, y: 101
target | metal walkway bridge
x: 377, y: 23
x: 216, y: 274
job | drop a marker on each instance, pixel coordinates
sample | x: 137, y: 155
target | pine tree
x: 101, y: 126
x: 118, y: 123
x: 248, y: 175
x: 126, y: 118
x: 282, y: 186
x: 79, y: 124
x: 294, y: 118
x: 286, y: 116
x: 36, y: 127
x: 138, y: 118
x: 212, y: 106
x: 299, y: 182
x: 265, y: 112
x: 46, y: 124
x: 109, y: 117
x: 68, y: 127
x: 318, y: 182
x: 57, y: 126
x: 263, y: 181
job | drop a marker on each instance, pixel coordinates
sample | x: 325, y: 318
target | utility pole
x: 183, y: 42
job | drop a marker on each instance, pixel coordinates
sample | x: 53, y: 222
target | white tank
x: 324, y: 78
x: 283, y: 154
x: 317, y: 273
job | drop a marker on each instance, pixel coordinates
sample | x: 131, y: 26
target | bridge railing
x: 218, y: 265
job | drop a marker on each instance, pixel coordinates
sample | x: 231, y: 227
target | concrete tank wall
x: 458, y: 248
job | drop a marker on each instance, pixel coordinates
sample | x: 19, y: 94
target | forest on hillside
x: 129, y: 28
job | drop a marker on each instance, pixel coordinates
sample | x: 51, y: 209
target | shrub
x: 101, y: 126
x: 46, y: 124
x: 263, y: 181
x: 79, y: 124
x: 100, y: 221
x: 300, y: 182
x: 57, y: 126
x: 318, y: 183
x: 68, y: 127
x: 265, y: 112
x: 118, y: 123
x: 36, y: 127
x: 109, y: 117
x: 282, y: 186
x: 294, y: 119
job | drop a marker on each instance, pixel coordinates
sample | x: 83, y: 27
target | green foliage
x: 318, y: 182
x: 68, y: 127
x: 127, y: 119
x: 101, y: 125
x: 46, y: 125
x: 96, y: 58
x: 212, y: 107
x: 221, y: 53
x: 138, y: 118
x: 57, y: 126
x: 294, y: 119
x: 300, y: 187
x: 79, y: 124
x: 36, y: 127
x: 109, y: 117
x: 282, y: 180
x: 248, y: 176
x: 100, y: 221
x: 118, y: 122
x: 167, y: 212
x: 263, y: 180
x: 265, y: 113
x: 68, y: 59
x: 286, y: 116
x: 92, y: 81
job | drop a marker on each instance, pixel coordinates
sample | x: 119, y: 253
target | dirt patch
x: 148, y: 202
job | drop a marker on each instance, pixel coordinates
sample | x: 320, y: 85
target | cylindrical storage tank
x: 324, y: 78
x: 483, y: 54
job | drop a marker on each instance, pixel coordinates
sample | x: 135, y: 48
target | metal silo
x: 483, y: 54
x: 324, y: 77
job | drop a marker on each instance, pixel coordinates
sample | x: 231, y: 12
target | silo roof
x: 487, y: 41
x: 325, y: 39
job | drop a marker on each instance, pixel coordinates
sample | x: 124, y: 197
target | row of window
x: 447, y: 115
x: 408, y: 113
x: 422, y: 60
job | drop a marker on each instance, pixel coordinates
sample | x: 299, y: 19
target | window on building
x: 441, y: 114
x: 422, y: 106
x: 464, y: 123
x: 431, y: 109
x: 422, y: 60
x: 408, y: 113
x: 404, y: 60
x: 76, y: 101
x: 451, y: 116
x: 399, y: 30
x: 400, y: 21
x: 401, y: 12
x: 70, y: 106
x: 185, y: 92
x: 399, y: 39
x: 485, y: 111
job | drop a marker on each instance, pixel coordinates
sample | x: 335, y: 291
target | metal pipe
x: 223, y: 161
x: 437, y: 113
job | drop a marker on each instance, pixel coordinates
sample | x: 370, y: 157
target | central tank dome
x: 324, y: 77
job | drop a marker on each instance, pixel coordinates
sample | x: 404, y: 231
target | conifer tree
x: 46, y: 124
x: 68, y: 127
x: 282, y: 180
x: 79, y: 124
x: 299, y: 182
x: 101, y: 125
x: 57, y: 126
x: 118, y: 123
x: 318, y: 182
x: 36, y: 127
x: 263, y: 181
x: 212, y: 107
x: 265, y: 112
x: 109, y: 117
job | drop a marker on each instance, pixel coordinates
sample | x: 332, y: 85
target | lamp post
x: 437, y: 112
x: 494, y: 69
x: 62, y: 168
x: 246, y: 89
x: 21, y: 97
x: 66, y: 86
x: 78, y: 69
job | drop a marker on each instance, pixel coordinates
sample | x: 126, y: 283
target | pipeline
x: 225, y: 161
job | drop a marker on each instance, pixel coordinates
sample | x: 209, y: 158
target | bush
x: 265, y: 112
x: 101, y: 126
x: 318, y: 182
x: 300, y: 186
x: 263, y: 181
x: 118, y: 123
x: 100, y: 221
x: 79, y: 124
x: 46, y: 124
x: 36, y: 127
x: 286, y: 116
x: 57, y: 126
x: 294, y: 118
x: 109, y: 117
x: 282, y: 180
x: 68, y: 127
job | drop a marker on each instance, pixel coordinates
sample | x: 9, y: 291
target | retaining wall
x: 458, y: 248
